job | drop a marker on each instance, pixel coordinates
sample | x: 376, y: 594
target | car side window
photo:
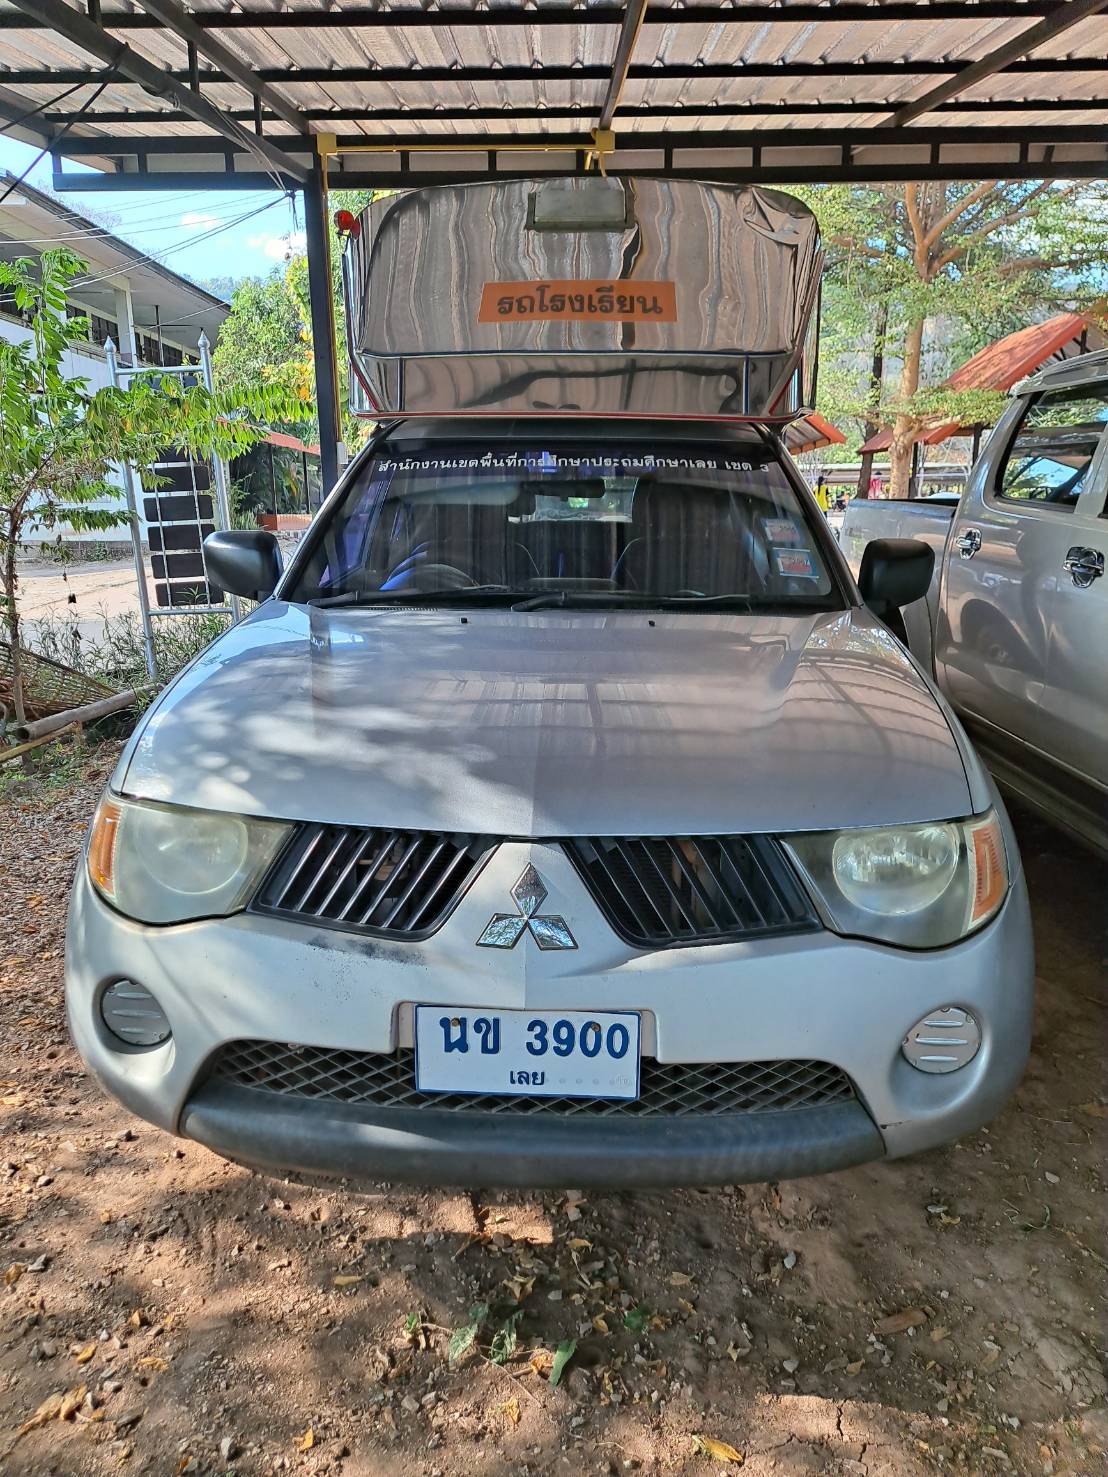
x: 1053, y: 447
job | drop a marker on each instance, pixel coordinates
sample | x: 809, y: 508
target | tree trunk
x: 903, y: 430
x: 876, y: 375
x: 11, y: 611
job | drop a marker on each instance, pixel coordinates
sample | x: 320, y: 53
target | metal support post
x: 112, y: 357
x: 321, y: 298
x: 219, y: 466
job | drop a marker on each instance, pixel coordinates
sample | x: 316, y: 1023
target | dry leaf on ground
x: 47, y: 1411
x: 307, y: 1441
x: 71, y: 1402
x: 901, y: 1322
x: 720, y: 1451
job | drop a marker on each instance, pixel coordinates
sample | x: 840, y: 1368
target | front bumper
x: 806, y: 996
x: 421, y: 1146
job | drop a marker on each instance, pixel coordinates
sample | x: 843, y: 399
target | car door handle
x: 1083, y: 565
x: 968, y: 543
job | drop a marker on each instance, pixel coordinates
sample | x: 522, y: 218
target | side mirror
x: 244, y: 562
x: 893, y: 573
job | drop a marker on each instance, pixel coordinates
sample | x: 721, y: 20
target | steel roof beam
x: 90, y: 37
x: 638, y: 71
x: 757, y: 173
x: 536, y: 113
x: 670, y: 139
x: 409, y: 18
x: 170, y: 15
x: 1063, y: 19
x: 19, y: 120
x: 633, y: 15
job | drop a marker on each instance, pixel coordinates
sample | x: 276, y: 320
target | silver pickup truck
x: 1015, y: 625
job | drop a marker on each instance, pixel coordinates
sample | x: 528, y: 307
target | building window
x: 100, y: 329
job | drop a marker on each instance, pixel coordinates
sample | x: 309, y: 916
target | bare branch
x: 1013, y: 217
x: 979, y: 192
x: 911, y: 201
x: 851, y: 243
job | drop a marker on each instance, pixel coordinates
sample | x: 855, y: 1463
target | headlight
x: 917, y: 886
x: 168, y: 863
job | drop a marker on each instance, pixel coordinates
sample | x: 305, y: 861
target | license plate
x: 527, y: 1053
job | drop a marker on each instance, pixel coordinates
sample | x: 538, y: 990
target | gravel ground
x: 939, y: 1314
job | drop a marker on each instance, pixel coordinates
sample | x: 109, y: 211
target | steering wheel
x: 425, y: 578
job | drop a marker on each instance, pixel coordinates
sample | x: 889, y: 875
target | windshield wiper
x: 640, y: 600
x: 414, y: 597
x: 585, y: 600
x: 604, y: 599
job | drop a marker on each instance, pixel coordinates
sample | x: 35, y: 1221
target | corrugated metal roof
x: 745, y: 77
x: 1002, y: 364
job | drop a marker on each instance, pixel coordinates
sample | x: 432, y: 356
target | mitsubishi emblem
x: 504, y: 930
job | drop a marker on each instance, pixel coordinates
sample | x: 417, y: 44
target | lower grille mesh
x: 666, y: 1089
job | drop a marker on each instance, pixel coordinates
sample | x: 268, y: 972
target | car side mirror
x: 243, y: 562
x: 894, y: 572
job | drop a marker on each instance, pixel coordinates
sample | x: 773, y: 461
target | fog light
x: 943, y: 1041
x: 130, y: 1012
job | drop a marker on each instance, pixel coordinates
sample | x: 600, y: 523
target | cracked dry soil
x: 191, y: 1313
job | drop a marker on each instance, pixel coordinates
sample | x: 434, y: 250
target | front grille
x: 666, y: 1089
x: 397, y: 884
x: 659, y: 892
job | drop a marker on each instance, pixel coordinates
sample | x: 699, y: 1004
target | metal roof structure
x: 307, y: 94
x: 151, y: 91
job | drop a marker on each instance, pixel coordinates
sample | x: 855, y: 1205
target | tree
x: 264, y: 339
x: 355, y: 201
x: 58, y: 440
x: 964, y: 254
x: 268, y: 336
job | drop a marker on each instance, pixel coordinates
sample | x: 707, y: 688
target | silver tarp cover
x: 590, y: 295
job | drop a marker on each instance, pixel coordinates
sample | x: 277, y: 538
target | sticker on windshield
x: 782, y: 531
x: 795, y: 563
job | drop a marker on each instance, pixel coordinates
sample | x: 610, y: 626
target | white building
x: 153, y: 315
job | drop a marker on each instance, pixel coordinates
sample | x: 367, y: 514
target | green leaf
x: 562, y: 1355
x: 636, y: 1319
x: 505, y: 1339
x: 463, y: 1339
x: 411, y: 1323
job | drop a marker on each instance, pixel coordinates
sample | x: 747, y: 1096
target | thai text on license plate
x: 527, y: 1053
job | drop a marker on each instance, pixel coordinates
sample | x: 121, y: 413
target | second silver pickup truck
x: 1015, y: 625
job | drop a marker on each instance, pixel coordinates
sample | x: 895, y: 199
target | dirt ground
x: 203, y: 1320
x: 84, y: 591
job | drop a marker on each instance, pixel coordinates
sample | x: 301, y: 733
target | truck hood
x: 553, y: 723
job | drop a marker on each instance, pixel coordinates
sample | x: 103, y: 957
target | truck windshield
x: 570, y: 524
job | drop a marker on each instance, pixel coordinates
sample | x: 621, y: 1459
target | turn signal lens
x: 990, y: 873
x: 101, y: 846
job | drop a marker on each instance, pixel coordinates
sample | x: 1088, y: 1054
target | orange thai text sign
x: 580, y: 300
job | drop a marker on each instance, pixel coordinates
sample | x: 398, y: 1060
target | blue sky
x: 194, y: 232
